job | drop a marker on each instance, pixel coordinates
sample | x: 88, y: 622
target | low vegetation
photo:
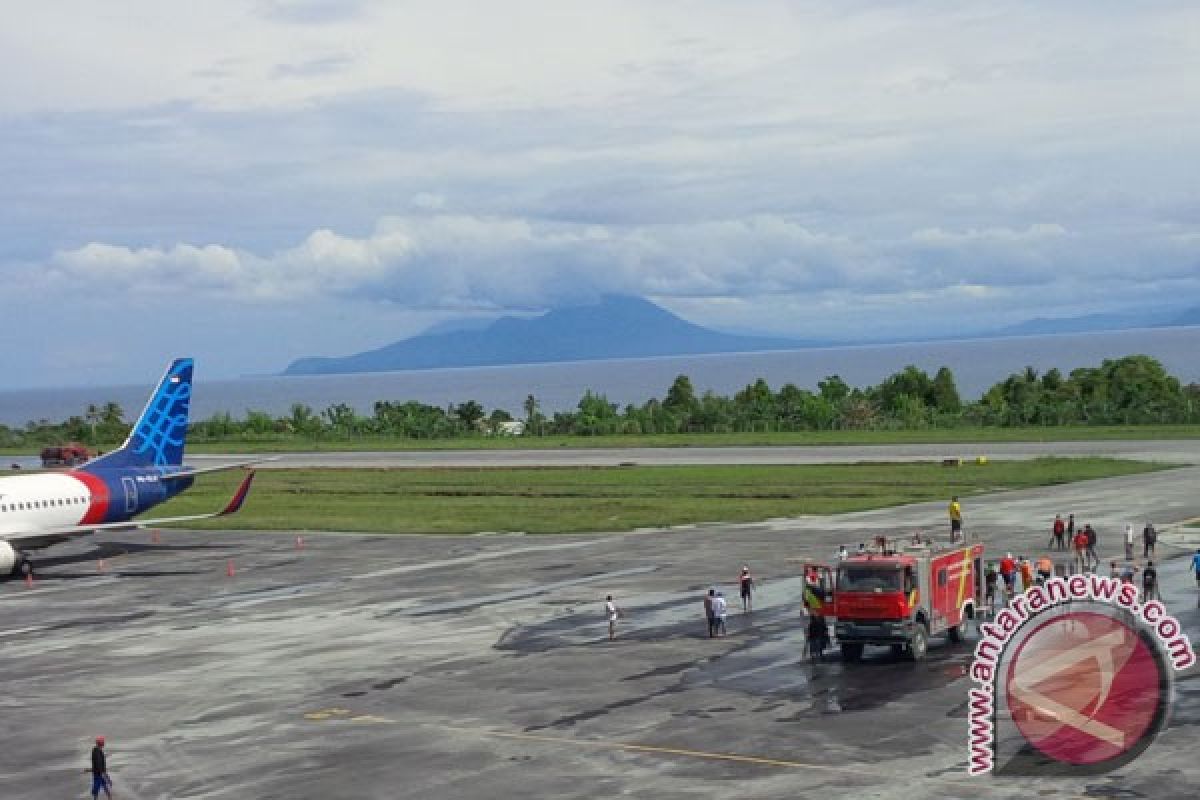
x: 1123, y: 398
x: 560, y: 500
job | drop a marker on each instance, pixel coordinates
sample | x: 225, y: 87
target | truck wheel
x: 955, y: 633
x: 918, y: 645
x: 851, y: 652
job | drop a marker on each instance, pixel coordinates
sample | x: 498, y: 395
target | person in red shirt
x: 1058, y: 534
x: 1081, y: 546
x: 1008, y: 572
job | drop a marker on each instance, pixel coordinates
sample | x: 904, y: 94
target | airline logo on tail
x: 110, y: 491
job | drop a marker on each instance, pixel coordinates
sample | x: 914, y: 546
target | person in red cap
x: 100, y: 779
x: 746, y: 585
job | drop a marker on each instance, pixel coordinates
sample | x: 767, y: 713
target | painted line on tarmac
x: 19, y: 631
x: 476, y: 557
x: 516, y: 594
x: 40, y: 589
x: 346, y: 715
x: 736, y: 758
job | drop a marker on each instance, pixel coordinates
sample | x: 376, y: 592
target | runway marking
x: 515, y: 594
x: 658, y: 750
x: 19, y: 631
x: 476, y: 557
x: 346, y: 715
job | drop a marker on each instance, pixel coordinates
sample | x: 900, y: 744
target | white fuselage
x: 43, y: 502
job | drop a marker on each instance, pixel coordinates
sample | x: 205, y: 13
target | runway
x: 1180, y: 451
x: 477, y: 666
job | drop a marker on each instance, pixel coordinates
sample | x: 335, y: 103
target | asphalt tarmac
x: 348, y: 666
x: 1174, y: 451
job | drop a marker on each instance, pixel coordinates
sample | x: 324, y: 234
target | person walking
x: 1081, y: 542
x: 1057, y: 531
x: 1008, y: 573
x: 1026, y: 574
x: 1092, y: 540
x: 709, y: 614
x: 989, y: 587
x: 746, y: 587
x: 99, y: 770
x: 1045, y: 569
x: 1150, y: 583
x: 1128, y: 541
x: 720, y: 609
x: 612, y: 613
x: 1196, y: 567
x: 955, y: 512
x: 817, y: 639
x: 1070, y: 527
x: 1149, y: 537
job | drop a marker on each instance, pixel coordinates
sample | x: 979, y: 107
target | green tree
x: 681, y: 397
x: 944, y: 392
x: 470, y: 413
x: 596, y: 415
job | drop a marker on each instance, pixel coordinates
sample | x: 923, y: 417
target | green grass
x: 930, y: 435
x: 605, y: 499
x: 288, y: 443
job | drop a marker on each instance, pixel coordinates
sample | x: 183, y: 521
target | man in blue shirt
x: 1196, y: 567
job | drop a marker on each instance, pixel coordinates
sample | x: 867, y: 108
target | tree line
x: 1133, y: 390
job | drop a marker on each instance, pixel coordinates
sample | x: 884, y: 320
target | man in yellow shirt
x: 955, y: 511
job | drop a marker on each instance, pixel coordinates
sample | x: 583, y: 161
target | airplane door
x: 131, y: 495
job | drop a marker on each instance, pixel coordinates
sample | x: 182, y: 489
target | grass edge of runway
x: 586, y: 499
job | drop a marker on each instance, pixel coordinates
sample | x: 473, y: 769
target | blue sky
x: 252, y: 181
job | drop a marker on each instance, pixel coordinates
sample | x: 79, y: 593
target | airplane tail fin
x: 157, y: 438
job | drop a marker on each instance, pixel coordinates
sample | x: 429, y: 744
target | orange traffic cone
x: 28, y: 580
x: 154, y: 536
x: 229, y: 570
x: 299, y: 542
x: 100, y: 565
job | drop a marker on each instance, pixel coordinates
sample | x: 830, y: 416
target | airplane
x: 107, y: 492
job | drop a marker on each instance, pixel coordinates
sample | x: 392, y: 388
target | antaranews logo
x: 1073, y: 677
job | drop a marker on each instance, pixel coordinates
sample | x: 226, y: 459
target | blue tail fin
x: 158, y: 436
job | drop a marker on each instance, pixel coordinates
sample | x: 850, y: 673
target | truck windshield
x: 868, y: 579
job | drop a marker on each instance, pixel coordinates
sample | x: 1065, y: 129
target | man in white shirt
x: 613, y: 614
x: 1128, y: 542
x: 720, y: 609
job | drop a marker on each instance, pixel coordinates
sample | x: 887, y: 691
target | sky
x: 252, y: 181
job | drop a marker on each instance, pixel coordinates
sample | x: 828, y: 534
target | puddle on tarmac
x: 766, y: 658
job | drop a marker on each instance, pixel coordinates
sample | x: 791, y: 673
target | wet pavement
x: 479, y: 667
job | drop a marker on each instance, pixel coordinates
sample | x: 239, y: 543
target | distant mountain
x: 1189, y: 317
x: 1088, y: 323
x: 1081, y: 324
x: 617, y: 327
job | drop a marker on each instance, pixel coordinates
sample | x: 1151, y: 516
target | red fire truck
x: 71, y: 454
x: 898, y: 593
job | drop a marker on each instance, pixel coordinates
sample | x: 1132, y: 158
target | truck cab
x: 901, y: 595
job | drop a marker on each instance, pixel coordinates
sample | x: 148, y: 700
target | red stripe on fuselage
x: 98, y: 497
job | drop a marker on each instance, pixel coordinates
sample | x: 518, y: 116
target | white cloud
x: 823, y: 163
x: 441, y: 260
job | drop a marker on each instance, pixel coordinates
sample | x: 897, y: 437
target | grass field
x: 604, y: 499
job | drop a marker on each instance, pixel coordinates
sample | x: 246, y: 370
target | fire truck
x: 71, y: 454
x: 898, y: 593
